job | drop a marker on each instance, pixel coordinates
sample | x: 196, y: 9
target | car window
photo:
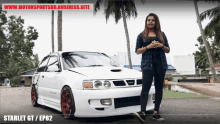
x: 52, y: 61
x: 43, y: 64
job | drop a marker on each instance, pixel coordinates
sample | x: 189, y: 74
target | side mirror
x: 53, y: 68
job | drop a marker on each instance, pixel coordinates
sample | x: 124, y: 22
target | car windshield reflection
x: 87, y: 59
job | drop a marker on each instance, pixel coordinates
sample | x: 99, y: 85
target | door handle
x: 42, y: 76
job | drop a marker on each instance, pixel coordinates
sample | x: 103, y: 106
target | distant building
x: 26, y: 77
x: 217, y: 68
x: 185, y: 64
x: 4, y: 81
x: 122, y: 59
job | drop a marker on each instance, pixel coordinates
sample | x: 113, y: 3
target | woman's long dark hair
x: 157, y: 28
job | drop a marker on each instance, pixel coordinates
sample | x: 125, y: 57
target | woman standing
x: 152, y: 44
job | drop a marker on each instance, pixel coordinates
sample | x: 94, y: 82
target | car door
x: 52, y: 79
x: 39, y: 77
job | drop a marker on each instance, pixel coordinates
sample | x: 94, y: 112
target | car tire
x: 67, y: 103
x: 34, y: 96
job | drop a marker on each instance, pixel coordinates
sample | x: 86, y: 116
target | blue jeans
x: 158, y: 73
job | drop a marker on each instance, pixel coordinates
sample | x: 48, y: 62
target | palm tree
x: 213, y: 28
x: 205, y: 42
x: 52, y: 33
x: 59, y: 23
x: 119, y: 8
x: 52, y: 25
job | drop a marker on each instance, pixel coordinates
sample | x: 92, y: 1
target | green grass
x: 173, y: 94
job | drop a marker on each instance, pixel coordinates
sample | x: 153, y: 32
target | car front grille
x: 126, y: 101
x: 119, y: 83
x: 139, y: 81
x: 128, y: 82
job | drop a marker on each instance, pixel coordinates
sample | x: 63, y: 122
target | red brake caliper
x: 65, y: 103
x: 33, y: 95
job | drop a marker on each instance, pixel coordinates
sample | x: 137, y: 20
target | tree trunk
x: 205, y: 43
x: 127, y: 37
x: 59, y: 30
x: 52, y: 30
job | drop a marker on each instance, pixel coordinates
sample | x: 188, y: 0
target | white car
x: 87, y: 84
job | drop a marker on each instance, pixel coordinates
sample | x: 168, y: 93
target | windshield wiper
x: 92, y: 65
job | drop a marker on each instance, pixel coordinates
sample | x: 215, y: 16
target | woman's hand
x: 158, y: 44
x: 152, y: 45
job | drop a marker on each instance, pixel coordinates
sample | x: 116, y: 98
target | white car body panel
x: 83, y: 109
x: 105, y: 72
x: 49, y: 90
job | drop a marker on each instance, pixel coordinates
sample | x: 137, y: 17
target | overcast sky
x: 82, y: 31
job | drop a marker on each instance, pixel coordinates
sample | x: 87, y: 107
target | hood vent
x: 116, y: 70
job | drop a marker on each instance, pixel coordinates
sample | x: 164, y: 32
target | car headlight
x: 87, y: 85
x: 98, y: 84
x: 107, y: 84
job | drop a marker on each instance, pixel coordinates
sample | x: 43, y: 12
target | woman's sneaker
x: 140, y: 116
x: 157, y: 117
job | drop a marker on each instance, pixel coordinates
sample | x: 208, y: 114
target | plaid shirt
x: 146, y: 61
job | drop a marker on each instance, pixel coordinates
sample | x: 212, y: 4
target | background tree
x: 4, y: 50
x: 201, y: 58
x: 119, y: 9
x: 205, y: 42
x: 16, y: 46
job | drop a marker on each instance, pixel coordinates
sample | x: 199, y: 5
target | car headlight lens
x: 87, y: 85
x: 106, y: 102
x: 107, y: 84
x: 98, y: 84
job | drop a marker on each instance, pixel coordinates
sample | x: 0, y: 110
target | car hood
x: 107, y: 72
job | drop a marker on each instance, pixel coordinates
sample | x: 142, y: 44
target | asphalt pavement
x: 16, y: 101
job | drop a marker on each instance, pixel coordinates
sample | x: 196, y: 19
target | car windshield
x: 87, y: 59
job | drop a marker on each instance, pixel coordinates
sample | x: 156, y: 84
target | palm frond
x: 118, y: 10
x: 217, y: 1
x: 143, y: 1
x: 217, y: 37
x: 60, y: 1
x: 109, y: 8
x: 97, y: 6
x: 211, y: 27
x: 209, y: 13
x: 130, y: 9
x: 45, y: 1
x: 115, y: 8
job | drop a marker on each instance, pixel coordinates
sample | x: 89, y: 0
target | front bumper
x: 87, y: 102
